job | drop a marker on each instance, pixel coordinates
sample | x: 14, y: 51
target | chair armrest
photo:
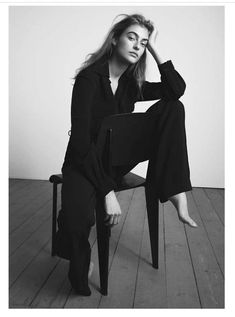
x: 57, y: 179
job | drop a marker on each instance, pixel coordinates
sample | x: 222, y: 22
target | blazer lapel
x: 102, y: 68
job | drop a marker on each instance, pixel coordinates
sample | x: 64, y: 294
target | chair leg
x: 54, y: 214
x: 103, y: 234
x: 152, y: 204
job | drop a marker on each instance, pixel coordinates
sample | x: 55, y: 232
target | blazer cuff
x: 108, y: 187
x: 168, y: 65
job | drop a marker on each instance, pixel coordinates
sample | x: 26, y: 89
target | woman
x: 110, y: 82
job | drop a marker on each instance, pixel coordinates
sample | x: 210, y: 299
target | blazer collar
x: 101, y: 67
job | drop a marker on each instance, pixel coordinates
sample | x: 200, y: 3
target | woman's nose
x: 137, y: 45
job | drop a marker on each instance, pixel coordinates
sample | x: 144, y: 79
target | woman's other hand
x: 112, y: 208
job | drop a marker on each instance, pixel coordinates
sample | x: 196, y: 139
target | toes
x: 189, y: 222
x: 192, y: 223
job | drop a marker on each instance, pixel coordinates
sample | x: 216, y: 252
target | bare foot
x: 188, y: 220
x: 180, y: 203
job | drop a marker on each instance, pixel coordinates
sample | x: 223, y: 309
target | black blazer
x: 93, y: 99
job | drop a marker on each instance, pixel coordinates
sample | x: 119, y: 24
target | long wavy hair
x: 138, y: 69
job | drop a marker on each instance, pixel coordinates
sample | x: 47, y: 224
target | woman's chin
x: 134, y: 59
x: 127, y: 59
x: 131, y: 60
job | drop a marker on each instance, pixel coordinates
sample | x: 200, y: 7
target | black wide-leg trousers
x: 168, y: 170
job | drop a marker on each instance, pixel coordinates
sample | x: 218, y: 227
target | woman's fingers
x: 111, y: 220
x: 108, y: 219
x: 115, y: 220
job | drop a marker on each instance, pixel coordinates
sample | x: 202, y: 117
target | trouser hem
x: 164, y: 199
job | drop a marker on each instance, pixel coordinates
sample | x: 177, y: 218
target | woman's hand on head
x: 112, y: 209
x: 152, y: 42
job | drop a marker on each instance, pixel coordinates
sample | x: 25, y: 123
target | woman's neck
x: 116, y: 67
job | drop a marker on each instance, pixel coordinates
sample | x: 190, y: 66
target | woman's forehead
x: 141, y: 31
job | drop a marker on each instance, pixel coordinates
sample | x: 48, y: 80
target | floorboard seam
x: 194, y: 272
x: 29, y: 263
x: 140, y: 248
x: 98, y: 306
x: 207, y: 235
x: 27, y: 219
x: 31, y: 235
x: 121, y: 230
x: 25, y: 185
x: 220, y: 192
x: 212, y: 205
x: 40, y: 190
x: 71, y: 289
x: 46, y: 279
x: 12, y: 253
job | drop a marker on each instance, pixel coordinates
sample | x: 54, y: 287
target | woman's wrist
x: 155, y: 55
x: 110, y: 194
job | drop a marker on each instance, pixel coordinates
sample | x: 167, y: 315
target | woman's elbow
x: 174, y: 92
x: 179, y: 92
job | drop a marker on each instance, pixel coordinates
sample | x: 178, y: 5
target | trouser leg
x: 168, y: 167
x: 75, y: 221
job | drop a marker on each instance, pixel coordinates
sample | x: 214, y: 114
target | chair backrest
x: 126, y: 138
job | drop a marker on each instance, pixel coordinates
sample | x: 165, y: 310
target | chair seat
x: 130, y: 180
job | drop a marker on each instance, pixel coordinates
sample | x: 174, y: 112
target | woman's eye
x: 131, y: 38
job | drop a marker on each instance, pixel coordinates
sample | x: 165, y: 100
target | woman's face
x: 132, y: 43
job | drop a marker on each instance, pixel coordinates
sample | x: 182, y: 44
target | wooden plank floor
x: 191, y: 272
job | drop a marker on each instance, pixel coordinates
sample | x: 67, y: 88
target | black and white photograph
x: 116, y: 156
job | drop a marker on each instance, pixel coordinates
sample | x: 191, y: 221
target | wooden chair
x: 118, y: 147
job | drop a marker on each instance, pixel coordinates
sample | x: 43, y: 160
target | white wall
x: 48, y: 43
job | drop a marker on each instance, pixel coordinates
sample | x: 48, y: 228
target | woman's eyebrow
x: 137, y: 35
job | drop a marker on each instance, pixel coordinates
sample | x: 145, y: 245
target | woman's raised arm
x: 172, y: 85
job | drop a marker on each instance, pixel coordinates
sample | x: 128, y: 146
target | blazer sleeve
x: 171, y: 87
x: 85, y: 156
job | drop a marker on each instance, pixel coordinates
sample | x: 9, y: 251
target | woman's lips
x: 133, y: 54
